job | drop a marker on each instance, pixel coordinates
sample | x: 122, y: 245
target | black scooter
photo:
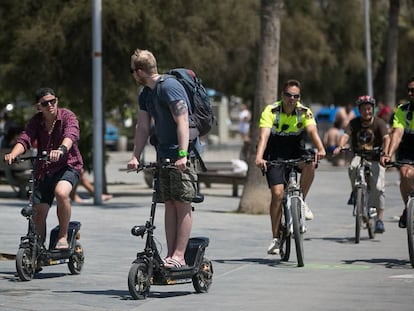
x: 32, y: 253
x: 148, y: 268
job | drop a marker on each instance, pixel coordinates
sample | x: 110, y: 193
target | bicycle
x: 293, y: 221
x: 364, y: 214
x: 32, y: 253
x: 148, y: 267
x: 410, y: 212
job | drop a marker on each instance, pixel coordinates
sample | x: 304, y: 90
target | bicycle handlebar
x: 153, y: 165
x: 307, y: 158
x: 43, y: 157
x: 364, y: 152
x: 398, y: 164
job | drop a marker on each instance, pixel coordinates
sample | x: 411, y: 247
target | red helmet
x: 366, y: 99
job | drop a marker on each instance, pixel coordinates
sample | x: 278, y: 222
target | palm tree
x: 256, y: 196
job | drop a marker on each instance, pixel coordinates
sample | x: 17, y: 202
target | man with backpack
x: 165, y: 101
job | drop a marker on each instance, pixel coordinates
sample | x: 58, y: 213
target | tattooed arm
x: 179, y: 112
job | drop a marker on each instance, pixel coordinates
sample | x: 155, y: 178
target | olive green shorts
x: 176, y: 185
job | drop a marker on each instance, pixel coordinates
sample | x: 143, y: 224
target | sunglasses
x: 295, y: 96
x: 410, y: 90
x: 47, y: 102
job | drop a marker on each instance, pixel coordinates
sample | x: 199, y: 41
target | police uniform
x: 287, y: 137
x: 403, y: 118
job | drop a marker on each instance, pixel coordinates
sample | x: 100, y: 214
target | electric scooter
x: 32, y: 253
x: 148, y: 267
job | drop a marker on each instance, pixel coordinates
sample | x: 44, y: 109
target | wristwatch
x: 182, y: 153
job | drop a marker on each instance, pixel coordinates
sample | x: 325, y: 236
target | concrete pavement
x: 338, y: 274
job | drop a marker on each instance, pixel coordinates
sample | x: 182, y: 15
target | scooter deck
x: 73, y: 228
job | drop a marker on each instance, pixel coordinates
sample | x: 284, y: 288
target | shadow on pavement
x: 387, y: 262
x: 124, y: 295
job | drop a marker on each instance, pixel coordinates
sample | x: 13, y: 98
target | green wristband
x: 182, y: 153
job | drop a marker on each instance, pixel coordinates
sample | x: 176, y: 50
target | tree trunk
x: 392, y: 54
x: 256, y: 195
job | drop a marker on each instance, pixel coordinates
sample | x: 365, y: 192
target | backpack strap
x: 192, y: 147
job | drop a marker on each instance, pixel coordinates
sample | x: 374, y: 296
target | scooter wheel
x: 139, y: 282
x: 204, y: 277
x: 25, y: 264
x: 76, y: 260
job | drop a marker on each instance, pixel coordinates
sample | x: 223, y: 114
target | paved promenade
x: 338, y: 274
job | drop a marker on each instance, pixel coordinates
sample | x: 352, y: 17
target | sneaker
x: 379, y: 226
x: 274, y: 247
x: 308, y: 212
x: 403, y: 219
x: 351, y: 200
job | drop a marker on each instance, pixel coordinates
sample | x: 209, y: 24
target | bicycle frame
x: 293, y: 209
x: 362, y: 211
x: 293, y: 190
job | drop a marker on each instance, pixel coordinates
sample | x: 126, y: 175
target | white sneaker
x: 308, y: 212
x: 274, y: 247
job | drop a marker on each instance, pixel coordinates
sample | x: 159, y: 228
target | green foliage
x: 49, y: 42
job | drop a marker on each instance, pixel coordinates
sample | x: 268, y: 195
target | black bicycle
x: 364, y: 214
x: 410, y: 212
x: 293, y: 222
x: 32, y: 253
x: 148, y: 267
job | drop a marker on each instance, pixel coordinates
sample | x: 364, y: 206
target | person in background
x: 402, y: 143
x: 283, y: 127
x: 331, y: 140
x: 244, y: 130
x: 368, y: 132
x: 56, y: 131
x: 166, y: 103
x: 345, y: 114
x: 384, y: 112
x: 84, y: 181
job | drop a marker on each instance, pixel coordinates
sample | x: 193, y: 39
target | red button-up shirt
x: 66, y: 126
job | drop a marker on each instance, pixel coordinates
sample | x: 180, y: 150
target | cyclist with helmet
x: 403, y: 140
x: 368, y: 132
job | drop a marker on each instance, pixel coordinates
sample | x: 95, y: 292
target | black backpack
x: 201, y: 112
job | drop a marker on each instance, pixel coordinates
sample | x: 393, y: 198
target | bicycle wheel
x: 359, y: 205
x: 410, y: 229
x: 298, y: 235
x: 284, y: 239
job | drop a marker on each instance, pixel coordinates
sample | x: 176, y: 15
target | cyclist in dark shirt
x: 368, y: 132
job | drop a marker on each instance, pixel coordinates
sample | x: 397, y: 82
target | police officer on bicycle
x: 367, y: 133
x: 403, y: 140
x: 283, y: 127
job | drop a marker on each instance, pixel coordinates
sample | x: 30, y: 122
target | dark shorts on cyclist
x: 45, y: 189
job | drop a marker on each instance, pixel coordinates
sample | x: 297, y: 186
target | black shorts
x: 45, y: 189
x: 276, y: 175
